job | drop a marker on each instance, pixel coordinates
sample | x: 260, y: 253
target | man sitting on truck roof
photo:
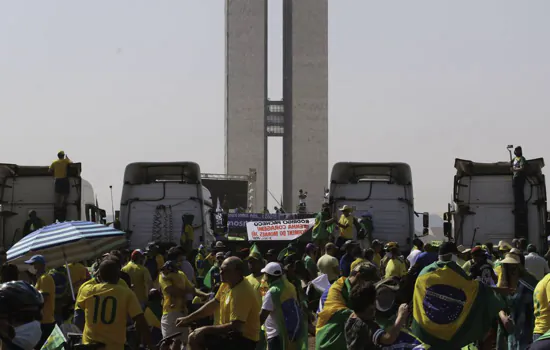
x: 59, y: 168
x: 33, y: 223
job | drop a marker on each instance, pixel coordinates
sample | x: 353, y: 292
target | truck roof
x: 470, y: 168
x: 148, y: 172
x: 345, y: 172
x: 7, y: 170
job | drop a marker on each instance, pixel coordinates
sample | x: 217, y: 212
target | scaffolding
x: 250, y: 179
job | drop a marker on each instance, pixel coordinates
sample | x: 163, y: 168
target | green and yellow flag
x: 333, y: 317
x: 55, y: 341
x: 450, y: 309
x: 255, y: 252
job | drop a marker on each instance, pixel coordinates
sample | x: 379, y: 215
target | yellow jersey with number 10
x: 107, y: 307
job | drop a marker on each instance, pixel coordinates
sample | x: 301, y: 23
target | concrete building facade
x: 300, y: 118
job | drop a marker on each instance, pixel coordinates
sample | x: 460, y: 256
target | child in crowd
x: 361, y: 332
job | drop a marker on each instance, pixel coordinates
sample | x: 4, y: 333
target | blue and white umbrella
x: 66, y: 242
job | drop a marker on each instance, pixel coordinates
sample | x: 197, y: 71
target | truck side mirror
x: 426, y: 220
x: 425, y: 232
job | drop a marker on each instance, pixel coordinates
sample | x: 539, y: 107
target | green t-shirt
x: 311, y: 267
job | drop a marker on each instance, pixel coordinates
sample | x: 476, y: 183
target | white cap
x: 273, y: 269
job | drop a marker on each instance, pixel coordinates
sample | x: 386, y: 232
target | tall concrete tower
x: 300, y: 118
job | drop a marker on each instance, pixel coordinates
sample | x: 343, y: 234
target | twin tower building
x: 300, y: 118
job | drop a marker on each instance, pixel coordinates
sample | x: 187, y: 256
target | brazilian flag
x: 56, y: 340
x: 332, y: 319
x: 450, y: 309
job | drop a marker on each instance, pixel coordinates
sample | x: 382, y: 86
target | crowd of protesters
x: 338, y: 291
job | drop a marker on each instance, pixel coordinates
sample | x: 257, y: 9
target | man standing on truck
x: 518, y: 181
x: 60, y: 168
x: 346, y: 224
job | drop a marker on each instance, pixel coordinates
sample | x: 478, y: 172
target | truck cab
x: 382, y: 190
x: 483, y: 201
x: 157, y: 197
x: 31, y: 188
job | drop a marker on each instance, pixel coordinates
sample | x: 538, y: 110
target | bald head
x: 330, y: 248
x: 234, y: 263
x: 232, y: 270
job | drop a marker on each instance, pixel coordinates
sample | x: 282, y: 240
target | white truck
x: 157, y: 196
x: 383, y: 190
x: 27, y: 188
x: 483, y: 203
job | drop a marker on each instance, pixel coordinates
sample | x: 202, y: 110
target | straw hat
x: 503, y: 245
x: 511, y: 259
x: 346, y: 208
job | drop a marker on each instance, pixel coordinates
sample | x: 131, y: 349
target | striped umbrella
x: 66, y: 242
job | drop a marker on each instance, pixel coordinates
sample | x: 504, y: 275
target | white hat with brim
x: 346, y: 208
x: 273, y: 269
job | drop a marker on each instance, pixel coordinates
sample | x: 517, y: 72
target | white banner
x: 280, y: 230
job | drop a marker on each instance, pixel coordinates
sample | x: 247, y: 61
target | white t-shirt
x: 270, y: 323
x: 413, y: 256
x: 188, y: 270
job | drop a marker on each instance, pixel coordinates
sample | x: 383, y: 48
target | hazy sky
x: 422, y: 82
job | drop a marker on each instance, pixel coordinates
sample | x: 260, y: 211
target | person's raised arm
x: 388, y: 337
x: 206, y: 310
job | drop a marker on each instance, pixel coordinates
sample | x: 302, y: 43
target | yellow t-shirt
x: 160, y: 261
x: 395, y: 268
x: 240, y: 304
x: 178, y: 280
x: 347, y: 232
x: 106, y: 309
x: 59, y: 168
x: 188, y: 234
x: 541, y: 297
x: 46, y: 285
x: 259, y: 284
x: 356, y: 262
x: 141, y: 279
x: 90, y: 283
x: 79, y: 273
x: 376, y: 259
x: 151, y: 318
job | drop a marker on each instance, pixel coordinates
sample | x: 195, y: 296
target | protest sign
x: 279, y: 230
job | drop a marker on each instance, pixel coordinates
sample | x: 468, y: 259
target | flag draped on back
x: 333, y: 317
x: 292, y: 325
x: 450, y: 309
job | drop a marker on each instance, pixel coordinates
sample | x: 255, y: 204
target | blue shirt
x: 424, y: 259
x: 345, y: 264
